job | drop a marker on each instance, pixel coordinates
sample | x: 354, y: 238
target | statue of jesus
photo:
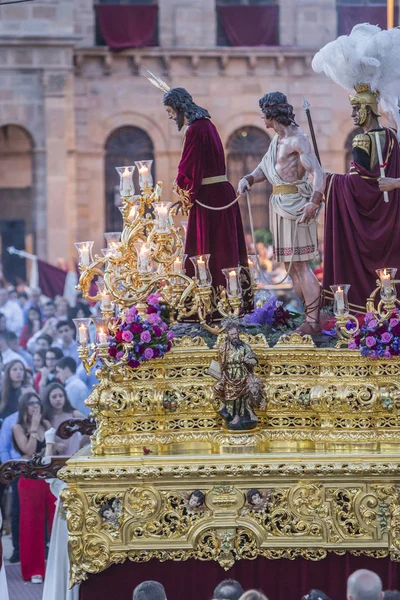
x: 294, y: 201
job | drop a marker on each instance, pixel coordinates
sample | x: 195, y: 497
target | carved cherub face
x: 256, y: 499
x: 108, y: 514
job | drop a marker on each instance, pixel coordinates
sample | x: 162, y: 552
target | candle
x: 84, y: 256
x: 385, y: 281
x: 202, y: 269
x: 105, y: 300
x: 126, y: 182
x: 143, y: 172
x: 102, y: 337
x: 178, y: 265
x: 233, y: 282
x: 82, y: 334
x: 144, y: 255
x: 339, y: 297
x: 162, y: 212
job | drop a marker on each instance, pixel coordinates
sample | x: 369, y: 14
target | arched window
x: 123, y: 147
x: 17, y: 225
x: 245, y: 149
x: 348, y: 147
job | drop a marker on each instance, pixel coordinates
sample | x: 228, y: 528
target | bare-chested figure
x: 294, y: 201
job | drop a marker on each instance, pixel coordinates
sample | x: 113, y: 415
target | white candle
x: 105, y: 300
x: 144, y: 258
x: 82, y: 331
x: 143, y: 172
x: 162, y: 211
x: 102, y: 337
x: 126, y: 182
x: 178, y: 265
x: 84, y: 257
x: 202, y: 269
x: 385, y: 281
x: 339, y: 297
x: 233, y: 282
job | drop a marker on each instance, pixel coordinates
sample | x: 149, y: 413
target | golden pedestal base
x: 324, y: 461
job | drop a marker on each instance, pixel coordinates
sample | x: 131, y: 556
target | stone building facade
x: 69, y: 108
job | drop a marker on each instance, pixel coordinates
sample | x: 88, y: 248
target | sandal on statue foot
x: 308, y: 328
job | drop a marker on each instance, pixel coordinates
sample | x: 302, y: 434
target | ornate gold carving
x: 295, y: 339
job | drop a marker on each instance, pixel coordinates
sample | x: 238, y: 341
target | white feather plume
x: 157, y: 81
x: 368, y: 55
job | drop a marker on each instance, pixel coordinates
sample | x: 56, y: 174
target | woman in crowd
x: 36, y: 500
x: 80, y: 311
x: 62, y: 306
x: 39, y: 360
x: 15, y: 376
x: 34, y: 324
x: 56, y: 409
x: 47, y: 374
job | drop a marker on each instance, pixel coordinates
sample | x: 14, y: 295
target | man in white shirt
x: 77, y: 391
x: 12, y: 311
x: 66, y: 341
x: 7, y: 354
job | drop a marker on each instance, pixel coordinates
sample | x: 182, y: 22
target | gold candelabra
x: 385, y: 286
x: 148, y: 257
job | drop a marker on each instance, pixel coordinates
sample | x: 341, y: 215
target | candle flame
x: 339, y: 289
x: 143, y: 170
x: 232, y: 273
x: 126, y: 172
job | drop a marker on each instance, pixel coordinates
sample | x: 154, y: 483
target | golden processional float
x: 166, y: 476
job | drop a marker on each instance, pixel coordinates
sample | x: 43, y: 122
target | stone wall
x: 70, y: 95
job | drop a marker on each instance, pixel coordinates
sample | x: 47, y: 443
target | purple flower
x: 387, y: 337
x: 370, y: 341
x: 387, y: 354
x: 127, y: 336
x: 170, y: 336
x: 393, y: 322
x: 145, y: 337
x: 352, y: 346
x: 119, y: 355
x: 163, y: 326
x: 373, y: 323
x: 148, y: 353
x: 153, y: 299
x: 154, y: 319
x: 157, y: 331
x: 369, y: 316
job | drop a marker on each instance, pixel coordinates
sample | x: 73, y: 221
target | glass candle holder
x: 113, y: 239
x: 145, y: 177
x: 101, y: 331
x: 82, y: 330
x: 178, y: 266
x: 202, y: 270
x: 162, y: 216
x: 144, y: 257
x: 388, y: 288
x: 340, y: 299
x: 85, y: 253
x: 253, y: 267
x: 158, y: 190
x: 232, y: 276
x: 109, y: 252
x: 126, y: 187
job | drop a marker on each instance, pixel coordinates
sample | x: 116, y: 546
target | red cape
x: 361, y: 230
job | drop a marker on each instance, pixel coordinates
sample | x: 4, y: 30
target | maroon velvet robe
x: 218, y: 233
x: 361, y: 230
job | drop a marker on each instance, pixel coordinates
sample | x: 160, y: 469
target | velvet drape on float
x: 280, y: 579
x: 251, y: 25
x: 127, y: 26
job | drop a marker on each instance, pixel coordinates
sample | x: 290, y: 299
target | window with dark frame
x: 352, y: 12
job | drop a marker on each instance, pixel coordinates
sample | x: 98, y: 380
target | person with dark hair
x: 294, y: 201
x: 43, y: 342
x: 39, y: 360
x: 15, y: 378
x: 49, y: 310
x: 76, y: 390
x: 47, y: 374
x: 35, y: 498
x: 149, y: 590
x: 215, y: 224
x: 8, y: 355
x: 391, y: 595
x: 80, y: 311
x: 228, y: 589
x: 67, y: 343
x: 57, y: 408
x: 315, y: 595
x: 196, y: 499
x: 13, y: 342
x: 33, y: 325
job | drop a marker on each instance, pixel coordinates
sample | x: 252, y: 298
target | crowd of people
x: 42, y: 384
x: 361, y: 585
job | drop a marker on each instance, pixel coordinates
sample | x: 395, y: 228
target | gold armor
x: 365, y: 97
x: 367, y: 142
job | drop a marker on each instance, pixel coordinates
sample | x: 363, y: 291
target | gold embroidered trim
x: 184, y: 197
